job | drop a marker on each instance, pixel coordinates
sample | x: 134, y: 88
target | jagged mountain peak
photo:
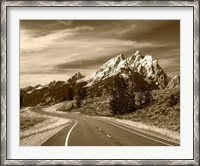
x: 77, y: 76
x: 52, y: 83
x: 135, y: 57
x: 120, y: 57
x: 137, y: 52
x: 28, y: 88
x: 147, y: 66
x: 114, y: 61
x: 110, y: 68
x: 174, y: 82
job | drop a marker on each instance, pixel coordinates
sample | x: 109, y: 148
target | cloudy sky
x: 56, y: 49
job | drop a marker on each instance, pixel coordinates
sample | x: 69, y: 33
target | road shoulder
x: 151, y: 130
x: 40, y: 132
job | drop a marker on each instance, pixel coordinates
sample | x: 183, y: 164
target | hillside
x: 163, y: 111
x: 50, y: 94
x: 143, y: 71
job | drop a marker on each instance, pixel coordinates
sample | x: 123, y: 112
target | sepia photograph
x: 99, y: 83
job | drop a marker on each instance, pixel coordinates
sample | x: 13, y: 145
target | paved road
x: 94, y: 131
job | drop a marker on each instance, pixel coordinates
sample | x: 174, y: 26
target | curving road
x: 95, y: 131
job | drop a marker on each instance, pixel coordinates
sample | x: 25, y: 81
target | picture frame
x: 4, y: 82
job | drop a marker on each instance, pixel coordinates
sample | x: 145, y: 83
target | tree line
x: 78, y: 94
x: 124, y: 99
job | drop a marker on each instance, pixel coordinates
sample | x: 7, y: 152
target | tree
x: 146, y: 97
x: 116, y: 102
x: 78, y: 100
x: 130, y: 95
x: 173, y: 100
x: 139, y: 99
x: 21, y: 101
x: 123, y: 97
x: 64, y: 98
x: 83, y: 93
x: 70, y: 93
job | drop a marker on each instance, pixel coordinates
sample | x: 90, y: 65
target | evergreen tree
x: 21, y: 101
x: 84, y: 93
x: 123, y: 97
x: 78, y: 98
x: 146, y: 97
x: 71, y: 94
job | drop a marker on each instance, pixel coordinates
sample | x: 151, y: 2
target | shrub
x: 173, y: 100
x: 78, y: 102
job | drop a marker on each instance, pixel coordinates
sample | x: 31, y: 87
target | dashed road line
x: 138, y: 134
x: 108, y: 135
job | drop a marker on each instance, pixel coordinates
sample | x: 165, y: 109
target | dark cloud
x: 84, y: 64
x: 156, y: 31
x: 165, y: 32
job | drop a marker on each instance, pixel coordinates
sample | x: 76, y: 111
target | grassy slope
x: 35, y: 128
x: 162, y: 112
x: 28, y: 122
x: 29, y: 119
x: 97, y: 106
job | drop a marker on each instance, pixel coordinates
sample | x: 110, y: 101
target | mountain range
x: 144, y: 71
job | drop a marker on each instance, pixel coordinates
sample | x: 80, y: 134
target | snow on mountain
x: 30, y: 89
x: 146, y: 66
x: 76, y: 77
x: 174, y: 82
x: 38, y: 87
x: 143, y: 71
x: 110, y: 68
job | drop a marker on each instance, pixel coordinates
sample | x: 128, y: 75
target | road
x: 95, y: 131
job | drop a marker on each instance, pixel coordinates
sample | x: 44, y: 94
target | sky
x: 56, y: 49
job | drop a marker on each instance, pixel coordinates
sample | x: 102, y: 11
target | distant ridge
x: 143, y: 70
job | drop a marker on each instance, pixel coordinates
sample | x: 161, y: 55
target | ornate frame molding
x: 5, y: 4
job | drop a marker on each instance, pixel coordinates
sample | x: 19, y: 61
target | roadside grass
x: 35, y: 128
x: 29, y: 119
x: 150, y: 129
x: 98, y: 106
x: 62, y: 107
x: 66, y: 106
x: 27, y: 122
x: 162, y: 112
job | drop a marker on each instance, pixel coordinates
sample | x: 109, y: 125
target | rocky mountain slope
x: 146, y: 66
x: 174, y: 82
x: 52, y: 93
x: 142, y: 71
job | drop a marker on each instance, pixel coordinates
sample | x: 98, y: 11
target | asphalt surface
x: 95, y: 131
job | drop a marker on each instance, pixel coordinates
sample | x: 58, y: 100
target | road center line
x: 138, y: 133
x: 108, y: 135
x: 67, y: 138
